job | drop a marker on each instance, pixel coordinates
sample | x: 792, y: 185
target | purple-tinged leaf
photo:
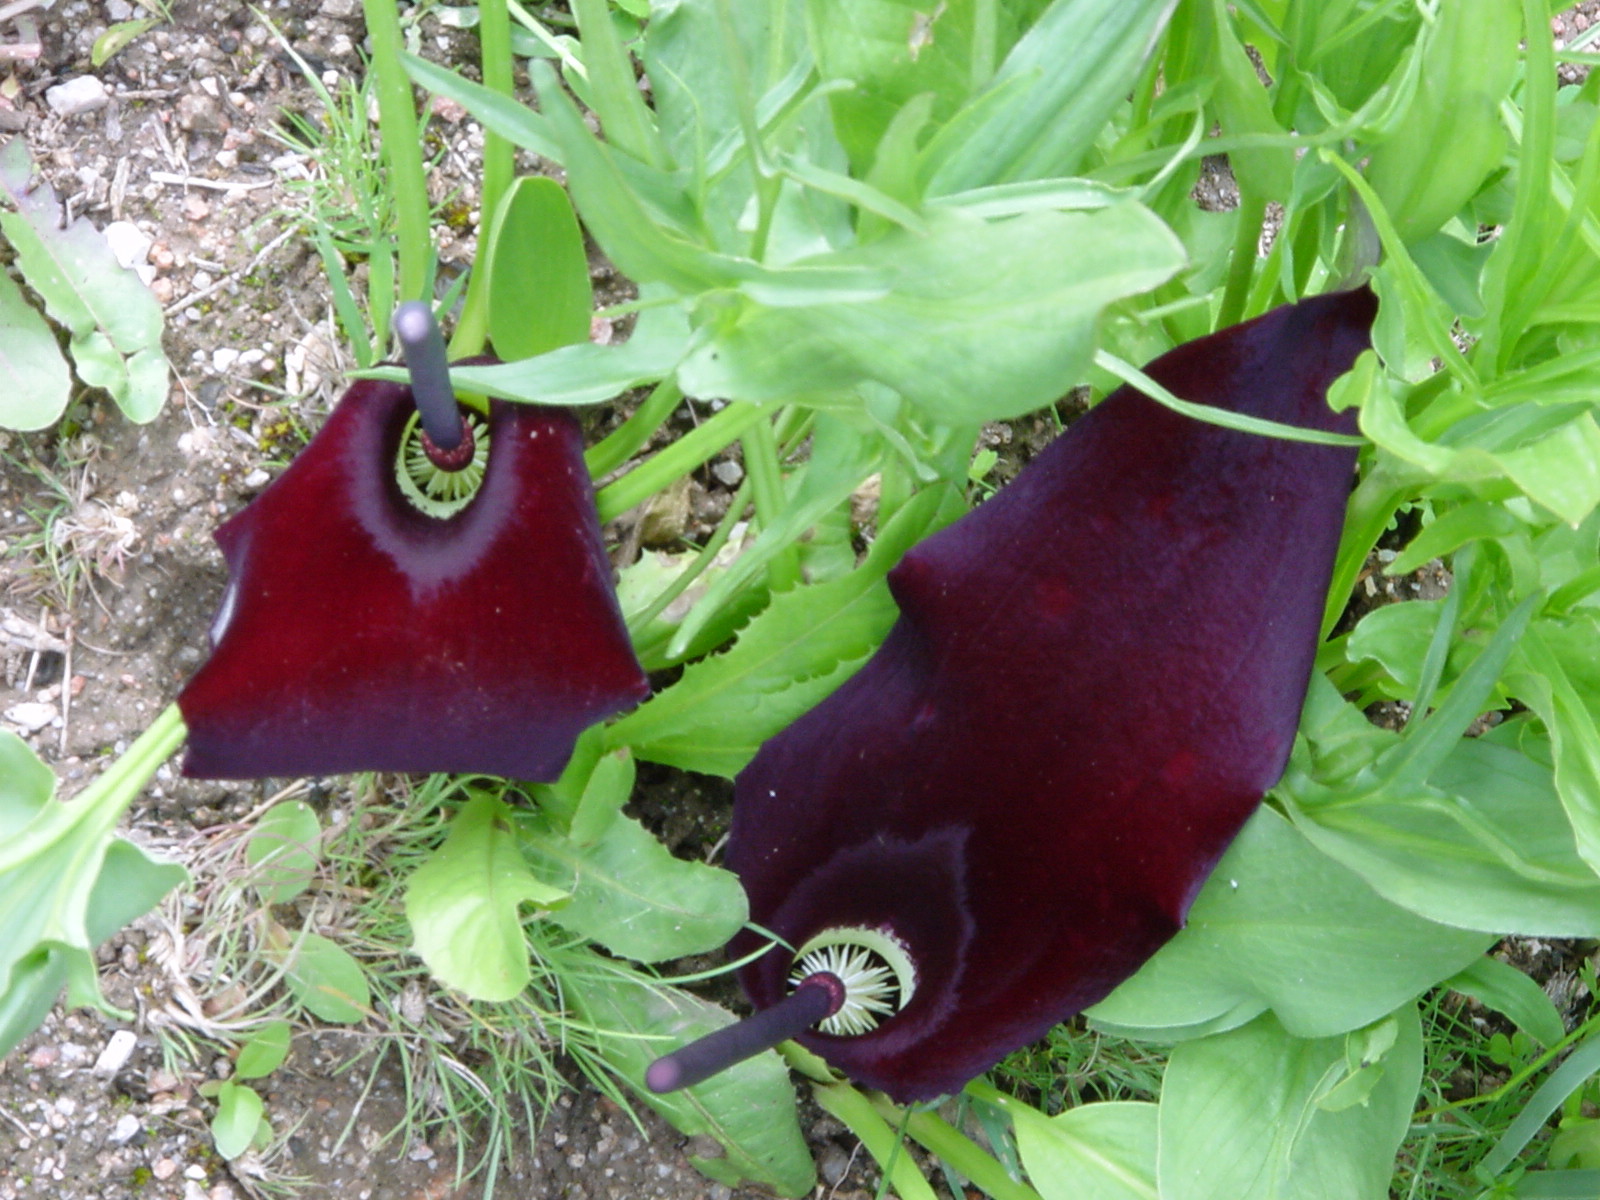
x: 360, y: 633
x: 1094, y: 679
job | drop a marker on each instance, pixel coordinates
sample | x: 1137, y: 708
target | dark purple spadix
x: 1094, y: 679
x: 817, y: 997
x: 361, y: 633
x: 423, y: 346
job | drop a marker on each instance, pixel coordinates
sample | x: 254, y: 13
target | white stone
x: 30, y: 716
x: 224, y: 359
x: 81, y: 95
x: 127, y: 1128
x: 129, y: 243
x: 118, y: 10
x: 119, y: 1049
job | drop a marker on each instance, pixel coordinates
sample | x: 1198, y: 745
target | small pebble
x: 119, y: 1049
x: 127, y: 1128
x: 81, y: 95
x: 31, y: 716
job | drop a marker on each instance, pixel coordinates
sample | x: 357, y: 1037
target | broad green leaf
x: 464, y: 904
x: 1050, y: 98
x: 321, y: 975
x: 795, y: 652
x: 539, y: 292
x: 1092, y: 1152
x: 26, y: 784
x: 264, y: 1051
x: 1241, y: 1118
x: 1486, y: 845
x: 66, y: 881
x: 1279, y: 925
x: 1513, y: 995
x: 240, y: 1112
x: 631, y: 895
x: 114, y: 321
x: 748, y: 1109
x: 283, y: 851
x: 982, y: 320
x: 35, y: 383
x: 1451, y: 137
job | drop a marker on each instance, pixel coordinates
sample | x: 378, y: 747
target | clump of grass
x: 477, y: 1076
x: 1075, y: 1065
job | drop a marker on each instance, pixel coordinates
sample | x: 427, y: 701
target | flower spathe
x: 1094, y: 678
x: 359, y: 632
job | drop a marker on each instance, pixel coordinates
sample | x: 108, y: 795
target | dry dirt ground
x: 109, y: 579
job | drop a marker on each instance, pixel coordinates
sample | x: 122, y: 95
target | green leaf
x: 515, y: 122
x: 1513, y: 995
x: 748, y: 1109
x: 35, y: 383
x: 1281, y: 926
x: 632, y: 896
x: 580, y: 374
x: 609, y: 788
x: 264, y: 1052
x: 118, y: 38
x: 321, y: 975
x: 240, y: 1113
x: 1051, y: 97
x: 1092, y: 1152
x: 1485, y: 845
x: 982, y: 320
x: 283, y: 851
x: 1241, y: 1118
x: 801, y: 647
x: 464, y: 904
x: 66, y: 881
x: 114, y: 321
x: 539, y: 292
x: 1565, y: 692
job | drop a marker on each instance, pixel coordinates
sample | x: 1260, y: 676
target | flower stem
x: 402, y: 147
x: 678, y: 459
x: 494, y: 53
x: 125, y: 778
x: 766, y: 485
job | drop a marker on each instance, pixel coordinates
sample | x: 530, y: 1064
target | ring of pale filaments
x: 875, y: 968
x: 439, y: 493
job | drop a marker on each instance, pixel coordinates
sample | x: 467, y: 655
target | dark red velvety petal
x: 1094, y: 678
x: 358, y: 633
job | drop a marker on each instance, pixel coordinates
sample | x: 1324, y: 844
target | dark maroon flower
x: 361, y: 632
x: 1094, y: 678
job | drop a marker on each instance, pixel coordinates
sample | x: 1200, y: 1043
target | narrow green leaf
x: 464, y: 904
x: 515, y: 122
x: 1050, y: 98
x: 1513, y: 995
x: 795, y: 652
